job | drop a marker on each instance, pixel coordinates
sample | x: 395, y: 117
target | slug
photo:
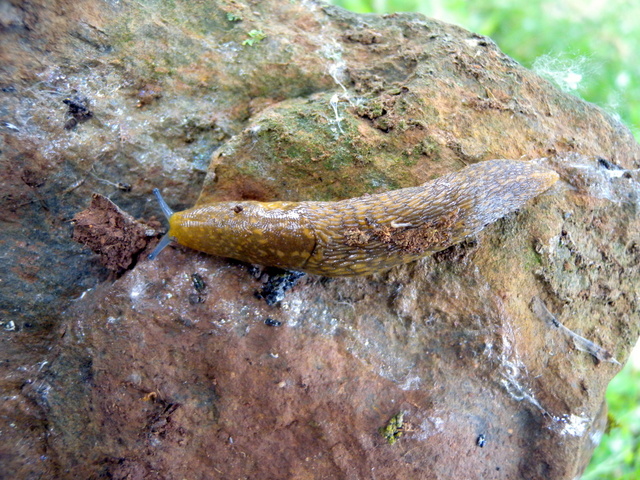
x: 363, y: 235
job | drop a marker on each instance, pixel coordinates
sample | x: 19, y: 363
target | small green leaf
x: 256, y: 36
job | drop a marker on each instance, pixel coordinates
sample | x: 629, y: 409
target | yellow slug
x: 363, y: 235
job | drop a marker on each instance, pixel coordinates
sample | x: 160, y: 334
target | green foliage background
x: 590, y: 47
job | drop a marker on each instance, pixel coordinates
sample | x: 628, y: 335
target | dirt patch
x: 427, y: 237
x: 115, y: 236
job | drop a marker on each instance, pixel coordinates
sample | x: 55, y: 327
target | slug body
x: 363, y: 235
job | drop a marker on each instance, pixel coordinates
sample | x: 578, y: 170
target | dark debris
x: 276, y: 286
x: 79, y: 111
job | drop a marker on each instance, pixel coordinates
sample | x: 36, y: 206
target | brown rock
x: 170, y: 371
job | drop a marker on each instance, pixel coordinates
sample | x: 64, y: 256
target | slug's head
x: 167, y: 239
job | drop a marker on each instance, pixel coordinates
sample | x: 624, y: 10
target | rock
x: 171, y: 370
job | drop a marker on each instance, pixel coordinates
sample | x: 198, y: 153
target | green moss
x: 409, y: 159
x: 371, y: 109
x: 384, y: 123
x: 255, y: 36
x: 532, y: 260
x: 305, y: 152
x: 376, y: 180
x: 427, y: 147
x: 121, y: 35
x: 252, y: 168
x: 392, y: 431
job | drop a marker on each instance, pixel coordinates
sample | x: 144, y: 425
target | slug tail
x: 163, y: 205
x: 164, y: 241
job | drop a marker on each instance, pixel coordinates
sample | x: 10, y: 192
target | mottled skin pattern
x: 368, y: 234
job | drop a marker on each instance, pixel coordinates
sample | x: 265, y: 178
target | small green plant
x: 255, y: 36
x: 232, y: 17
x: 392, y: 431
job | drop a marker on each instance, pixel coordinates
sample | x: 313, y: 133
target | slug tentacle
x: 163, y: 205
x: 167, y: 239
x: 361, y: 235
x: 164, y: 241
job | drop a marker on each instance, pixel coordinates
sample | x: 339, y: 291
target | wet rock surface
x: 177, y: 368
